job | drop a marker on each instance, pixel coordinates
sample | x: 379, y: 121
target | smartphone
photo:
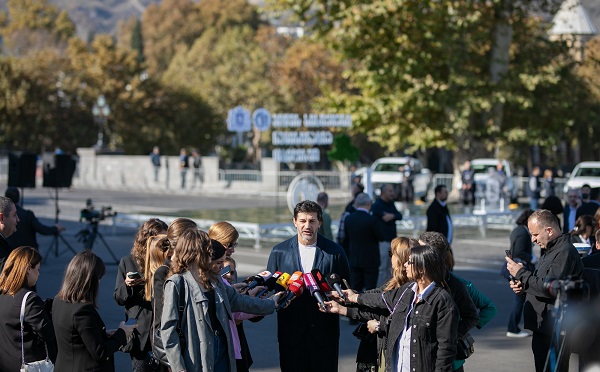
x: 508, y: 254
x: 131, y: 321
x: 226, y: 270
x: 134, y: 275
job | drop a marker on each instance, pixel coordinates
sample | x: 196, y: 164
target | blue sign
x: 262, y: 119
x: 238, y: 120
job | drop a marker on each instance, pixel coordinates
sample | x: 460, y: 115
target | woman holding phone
x: 129, y: 292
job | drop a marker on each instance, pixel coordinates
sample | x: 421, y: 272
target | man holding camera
x: 559, y: 260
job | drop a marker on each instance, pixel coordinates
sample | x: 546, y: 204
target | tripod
x: 57, y: 236
x: 88, y: 236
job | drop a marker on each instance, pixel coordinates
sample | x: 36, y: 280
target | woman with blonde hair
x: 20, y: 273
x: 370, y: 348
x: 208, y: 304
x: 226, y: 234
x: 129, y: 292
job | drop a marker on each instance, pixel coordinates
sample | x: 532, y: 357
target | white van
x: 387, y: 170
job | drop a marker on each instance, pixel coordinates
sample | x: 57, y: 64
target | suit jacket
x: 37, y: 328
x: 302, y: 317
x: 27, y: 228
x: 5, y: 249
x: 588, y: 208
x: 436, y: 218
x: 83, y: 344
x: 364, y: 234
x: 135, y: 305
x: 566, y: 214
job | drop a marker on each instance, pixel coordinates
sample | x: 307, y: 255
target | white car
x: 587, y: 172
x: 387, y: 170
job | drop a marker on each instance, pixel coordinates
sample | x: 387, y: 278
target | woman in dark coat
x: 129, y: 292
x: 84, y: 343
x: 20, y: 273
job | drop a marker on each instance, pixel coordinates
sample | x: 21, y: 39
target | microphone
x: 313, y: 288
x: 281, y: 284
x: 295, y: 276
x: 269, y: 284
x: 256, y: 280
x: 335, y: 281
x: 295, y: 289
x: 320, y: 279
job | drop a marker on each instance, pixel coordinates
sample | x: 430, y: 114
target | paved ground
x: 477, y: 260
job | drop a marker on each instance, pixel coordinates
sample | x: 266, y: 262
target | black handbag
x: 133, y: 342
x: 362, y: 332
x: 464, y: 347
x: 158, y: 349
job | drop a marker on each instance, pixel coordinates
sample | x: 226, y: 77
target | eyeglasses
x: 232, y: 245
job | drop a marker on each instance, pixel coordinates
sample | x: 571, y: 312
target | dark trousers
x: 517, y: 311
x: 362, y: 279
x: 319, y: 359
x: 540, y: 345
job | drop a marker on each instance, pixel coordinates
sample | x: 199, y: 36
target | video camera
x: 569, y: 289
x: 91, y: 215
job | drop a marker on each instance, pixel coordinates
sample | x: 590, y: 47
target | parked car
x: 387, y: 170
x: 481, y: 169
x: 587, y: 172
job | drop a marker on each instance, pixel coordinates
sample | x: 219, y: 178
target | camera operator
x: 559, y: 259
x: 29, y: 225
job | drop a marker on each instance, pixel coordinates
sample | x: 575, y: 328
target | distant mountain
x: 102, y: 16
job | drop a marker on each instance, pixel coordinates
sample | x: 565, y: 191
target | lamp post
x: 101, y: 111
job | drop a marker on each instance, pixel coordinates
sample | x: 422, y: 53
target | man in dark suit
x: 592, y: 205
x: 571, y: 210
x: 364, y: 234
x: 438, y: 216
x: 29, y: 225
x: 385, y: 212
x: 8, y: 225
x: 308, y: 338
x: 593, y: 261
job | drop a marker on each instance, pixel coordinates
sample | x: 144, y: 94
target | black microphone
x: 335, y: 281
x: 320, y: 279
x: 256, y: 280
x: 269, y: 284
x: 295, y: 289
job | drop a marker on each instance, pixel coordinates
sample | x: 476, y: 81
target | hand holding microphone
x: 313, y: 288
x: 256, y: 280
x: 334, y: 308
x: 335, y: 281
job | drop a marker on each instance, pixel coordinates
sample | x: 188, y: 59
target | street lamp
x: 101, y: 111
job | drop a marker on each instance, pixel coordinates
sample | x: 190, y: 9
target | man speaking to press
x: 308, y: 338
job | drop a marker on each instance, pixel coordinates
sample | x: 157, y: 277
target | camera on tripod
x: 571, y: 288
x: 91, y: 215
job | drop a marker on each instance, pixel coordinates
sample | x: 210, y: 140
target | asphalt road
x: 477, y: 259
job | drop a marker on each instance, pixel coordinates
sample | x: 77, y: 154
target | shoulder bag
x: 41, y: 365
x: 158, y: 349
x: 464, y: 347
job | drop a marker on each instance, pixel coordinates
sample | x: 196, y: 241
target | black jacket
x: 302, y: 318
x: 588, y: 208
x: 389, y: 228
x: 433, y: 322
x: 436, y: 218
x: 135, y: 305
x: 83, y: 344
x: 5, y: 249
x: 520, y: 244
x: 559, y: 260
x: 364, y: 234
x: 37, y: 328
x: 27, y: 229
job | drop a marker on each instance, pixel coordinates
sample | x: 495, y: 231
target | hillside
x: 102, y: 16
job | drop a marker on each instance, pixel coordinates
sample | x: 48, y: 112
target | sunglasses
x: 409, y: 262
x: 232, y: 245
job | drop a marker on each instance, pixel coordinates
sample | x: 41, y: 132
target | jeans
x: 384, y: 263
x: 515, y: 316
x: 221, y: 354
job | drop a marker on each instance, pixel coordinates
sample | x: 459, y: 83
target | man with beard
x: 301, y: 322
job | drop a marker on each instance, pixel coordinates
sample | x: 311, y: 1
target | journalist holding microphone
x: 206, y: 341
x: 423, y: 322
